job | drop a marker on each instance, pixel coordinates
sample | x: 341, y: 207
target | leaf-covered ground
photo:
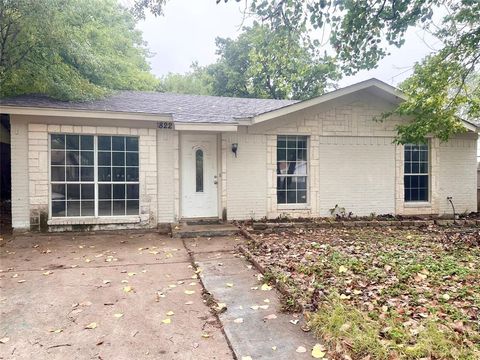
x: 383, y: 293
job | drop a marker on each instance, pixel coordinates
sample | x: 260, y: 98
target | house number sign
x: 165, y: 125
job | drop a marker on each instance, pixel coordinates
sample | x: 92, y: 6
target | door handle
x: 215, y: 181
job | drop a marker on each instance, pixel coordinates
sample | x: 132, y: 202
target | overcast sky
x: 187, y: 33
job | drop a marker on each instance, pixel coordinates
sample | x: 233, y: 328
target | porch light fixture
x: 235, y: 148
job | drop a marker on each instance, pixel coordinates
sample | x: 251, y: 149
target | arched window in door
x: 199, y: 170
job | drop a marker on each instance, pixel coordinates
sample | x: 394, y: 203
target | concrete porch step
x: 184, y: 230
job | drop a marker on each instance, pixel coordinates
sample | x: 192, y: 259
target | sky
x: 187, y: 32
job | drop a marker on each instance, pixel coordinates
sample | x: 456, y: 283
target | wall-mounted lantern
x: 235, y: 148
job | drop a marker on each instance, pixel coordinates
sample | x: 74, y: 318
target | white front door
x: 199, y: 175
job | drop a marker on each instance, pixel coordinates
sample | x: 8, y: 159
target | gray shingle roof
x: 183, y: 108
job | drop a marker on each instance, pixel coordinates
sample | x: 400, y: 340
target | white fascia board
x: 205, y: 127
x: 328, y: 97
x: 109, y: 115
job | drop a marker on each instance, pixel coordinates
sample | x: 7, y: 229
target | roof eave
x: 80, y: 113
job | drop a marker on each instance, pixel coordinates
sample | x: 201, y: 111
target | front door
x: 199, y: 175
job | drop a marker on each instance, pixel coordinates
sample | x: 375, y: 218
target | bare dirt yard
x: 382, y: 293
x: 122, y: 295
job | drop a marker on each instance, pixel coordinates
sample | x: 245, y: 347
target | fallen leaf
x: 92, y: 325
x: 189, y: 303
x: 189, y: 292
x: 106, y: 282
x: 127, y: 289
x: 131, y: 273
x: 172, y: 286
x: 301, y: 349
x: 318, y: 351
x: 274, y: 348
x: 270, y: 317
x: 238, y: 320
x: 56, y: 331
x: 229, y: 284
x: 446, y: 297
x: 342, y: 269
x: 21, y: 281
x: 266, y: 301
x: 4, y: 340
x: 205, y: 335
x: 294, y: 322
x: 266, y: 287
x: 167, y: 321
x: 118, y: 315
x: 170, y: 313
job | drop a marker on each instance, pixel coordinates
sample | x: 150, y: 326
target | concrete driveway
x: 136, y: 291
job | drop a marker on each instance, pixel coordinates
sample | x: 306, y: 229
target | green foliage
x: 277, y: 64
x: 197, y: 81
x: 261, y: 63
x: 70, y: 50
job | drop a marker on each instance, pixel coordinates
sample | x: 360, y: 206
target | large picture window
x: 94, y: 176
x: 416, y: 171
x: 292, y: 164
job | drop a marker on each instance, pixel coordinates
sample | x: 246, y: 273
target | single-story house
x: 139, y: 159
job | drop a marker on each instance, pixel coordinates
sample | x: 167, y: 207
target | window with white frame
x: 94, y: 176
x: 292, y: 164
x: 416, y: 172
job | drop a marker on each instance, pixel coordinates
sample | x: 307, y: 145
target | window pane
x: 118, y: 174
x: 58, y: 141
x: 118, y: 158
x: 281, y: 154
x: 86, y: 142
x: 87, y: 191
x: 301, y: 197
x: 73, y: 142
x: 104, y: 191
x: 104, y: 143
x: 301, y: 182
x: 291, y: 183
x: 87, y: 173
x: 58, y: 192
x: 87, y: 208
x: 132, y: 174
x: 86, y: 158
x: 281, y: 197
x: 73, y: 192
x: 281, y: 142
x: 132, y: 207
x: 132, y: 159
x: 119, y: 207
x: 291, y: 142
x: 281, y: 183
x: 58, y: 173
x: 291, y: 197
x: 57, y: 157
x: 73, y: 208
x: 72, y: 173
x: 104, y: 158
x: 291, y: 154
x: 199, y: 171
x: 58, y: 208
x: 416, y: 163
x: 118, y: 143
x: 132, y: 191
x: 119, y: 191
x: 104, y: 174
x: 302, y: 154
x: 132, y: 144
x: 302, y: 142
x: 105, y: 208
x: 72, y: 158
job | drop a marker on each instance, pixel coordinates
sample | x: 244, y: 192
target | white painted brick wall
x: 246, y: 183
x: 358, y: 174
x: 167, y: 147
x: 458, y: 174
x: 19, y: 151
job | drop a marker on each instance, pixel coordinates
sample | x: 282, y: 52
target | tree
x: 70, y: 50
x: 442, y: 87
x: 196, y: 81
x: 276, y: 64
x: 261, y: 63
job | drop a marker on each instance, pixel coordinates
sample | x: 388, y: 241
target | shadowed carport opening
x: 5, y: 175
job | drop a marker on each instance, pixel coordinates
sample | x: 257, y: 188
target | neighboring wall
x: 168, y: 175
x: 19, y: 161
x: 246, y: 176
x: 357, y: 174
x: 458, y: 174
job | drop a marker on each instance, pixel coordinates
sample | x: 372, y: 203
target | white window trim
x: 419, y: 203
x: 294, y: 206
x: 96, y: 219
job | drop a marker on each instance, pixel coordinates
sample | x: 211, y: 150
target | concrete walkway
x: 259, y: 332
